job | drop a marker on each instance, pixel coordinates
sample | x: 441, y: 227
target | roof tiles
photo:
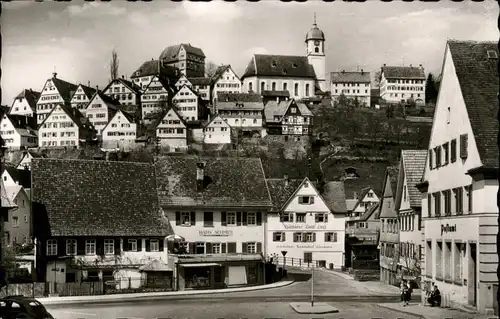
x: 279, y: 65
x: 413, y: 164
x: 403, y: 72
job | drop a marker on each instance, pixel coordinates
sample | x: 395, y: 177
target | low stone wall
x: 36, y: 289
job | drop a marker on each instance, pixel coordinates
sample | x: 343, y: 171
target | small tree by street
x: 412, y: 267
x: 431, y: 91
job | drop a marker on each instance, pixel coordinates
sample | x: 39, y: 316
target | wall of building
x: 361, y: 91
x: 54, y: 133
x: 119, y: 130
x: 21, y: 107
x: 153, y: 95
x: 187, y: 104
x: 396, y: 90
x: 49, y: 98
x: 217, y: 132
x: 123, y: 94
x: 256, y: 81
x: 98, y: 114
x: 228, y: 82
x: 171, y: 131
x: 218, y: 233
x: 18, y: 224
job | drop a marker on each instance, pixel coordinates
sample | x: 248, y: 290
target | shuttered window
x: 431, y: 159
x: 446, y: 153
x: 429, y: 205
x: 463, y: 146
x: 453, y: 151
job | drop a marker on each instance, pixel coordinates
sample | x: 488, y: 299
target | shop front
x: 219, y: 271
x: 460, y: 258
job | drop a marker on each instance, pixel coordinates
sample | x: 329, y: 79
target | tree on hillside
x: 431, y: 91
x: 114, y: 63
x: 378, y: 78
x: 210, y: 69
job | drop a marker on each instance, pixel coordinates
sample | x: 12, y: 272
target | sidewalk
x: 426, y: 312
x: 152, y: 295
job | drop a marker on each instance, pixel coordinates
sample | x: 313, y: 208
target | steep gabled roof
x: 220, y: 119
x: 170, y: 54
x: 281, y: 190
x: 89, y: 92
x: 132, y: 86
x: 369, y: 212
x: 275, y: 93
x: 20, y: 176
x: 21, y: 122
x: 391, y: 176
x: 350, y: 77
x: 156, y: 67
x: 413, y: 165
x: 403, y: 72
x: 78, y: 203
x: 110, y: 102
x: 200, y: 81
x: 273, y: 109
x: 75, y: 115
x: 5, y: 199
x: 238, y: 97
x: 65, y: 89
x: 164, y: 114
x: 228, y: 182
x: 280, y: 66
x: 30, y: 96
x: 129, y: 117
x: 220, y: 70
x: 334, y: 196
x: 478, y: 77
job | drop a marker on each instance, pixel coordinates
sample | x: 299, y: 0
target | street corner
x: 316, y: 308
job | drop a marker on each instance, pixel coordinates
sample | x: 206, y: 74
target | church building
x: 301, y: 76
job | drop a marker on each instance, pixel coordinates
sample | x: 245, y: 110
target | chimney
x: 200, y: 175
x: 384, y: 64
x: 97, y: 88
x: 355, y: 195
x: 362, y: 72
x: 343, y: 71
x: 88, y: 83
x: 287, y: 180
x: 411, y: 66
x: 421, y: 66
x: 54, y: 75
x: 123, y: 76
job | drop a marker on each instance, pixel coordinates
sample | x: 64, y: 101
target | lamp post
x: 312, y: 285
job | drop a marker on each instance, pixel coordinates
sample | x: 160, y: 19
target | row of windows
x: 61, y: 134
x: 61, y: 143
x: 347, y: 91
x: 71, y: 246
x: 219, y: 248
x: 403, y: 95
x: 305, y: 237
x: 7, y: 132
x: 212, y: 129
x: 227, y: 218
x: 441, y: 202
x: 121, y: 133
x: 184, y: 100
x: 442, y: 155
x: 98, y: 115
x: 239, y: 113
x: 284, y: 88
x: 153, y: 97
x: 404, y: 88
x: 171, y: 131
x: 121, y: 125
x: 301, y: 217
x: 58, y: 125
x: 407, y: 250
x: 448, y: 259
x: 406, y: 81
x: 244, y: 121
x: 351, y: 84
x: 50, y: 97
x: 228, y: 85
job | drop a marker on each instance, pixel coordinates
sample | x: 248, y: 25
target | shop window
x: 93, y: 275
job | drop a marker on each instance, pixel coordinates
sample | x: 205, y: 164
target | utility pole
x: 312, y: 285
x: 3, y: 211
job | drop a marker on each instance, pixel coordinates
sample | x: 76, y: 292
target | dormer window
x: 294, y: 65
x: 274, y: 64
x: 285, y: 71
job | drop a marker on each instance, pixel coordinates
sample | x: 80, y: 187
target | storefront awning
x: 199, y: 265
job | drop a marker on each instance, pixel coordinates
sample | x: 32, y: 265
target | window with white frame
x: 300, y: 217
x: 310, y: 237
x: 331, y: 237
x: 231, y: 218
x: 132, y: 245
x: 109, y: 246
x: 216, y: 248
x: 321, y: 218
x: 286, y: 217
x: 51, y: 247
x: 251, y: 248
x: 71, y: 247
x: 90, y: 247
x: 154, y: 245
x: 279, y: 236
x: 251, y: 218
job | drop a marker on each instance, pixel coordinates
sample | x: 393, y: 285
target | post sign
x: 283, y: 252
x: 448, y: 228
x: 215, y: 233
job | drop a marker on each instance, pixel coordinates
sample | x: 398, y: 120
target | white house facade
x: 305, y: 227
x: 18, y: 131
x: 353, y: 85
x: 25, y: 103
x: 54, y: 92
x: 100, y: 110
x: 217, y: 131
x: 82, y: 96
x: 225, y: 80
x: 155, y: 96
x: 188, y: 104
x: 172, y: 131
x: 403, y: 84
x: 120, y: 132
x: 126, y: 92
x: 459, y: 184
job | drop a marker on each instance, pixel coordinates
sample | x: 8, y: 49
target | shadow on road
x: 298, y: 276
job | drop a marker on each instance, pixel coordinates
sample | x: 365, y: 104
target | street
x: 221, y: 309
x: 354, y: 300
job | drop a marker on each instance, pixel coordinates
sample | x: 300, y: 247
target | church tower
x: 315, y: 48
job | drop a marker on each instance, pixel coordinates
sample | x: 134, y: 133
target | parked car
x: 20, y: 307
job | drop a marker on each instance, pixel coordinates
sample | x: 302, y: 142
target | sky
x: 76, y: 38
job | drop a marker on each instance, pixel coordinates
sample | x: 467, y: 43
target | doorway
x: 472, y: 275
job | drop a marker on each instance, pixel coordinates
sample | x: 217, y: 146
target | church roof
x: 315, y: 34
x: 279, y: 66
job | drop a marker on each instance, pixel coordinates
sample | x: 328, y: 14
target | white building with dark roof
x: 353, y: 85
x: 402, y: 84
x: 25, y: 103
x: 120, y: 132
x: 18, y: 131
x: 55, y: 92
x: 459, y: 184
x: 242, y: 111
x: 82, y: 96
x: 225, y: 80
x: 154, y: 68
x: 302, y: 76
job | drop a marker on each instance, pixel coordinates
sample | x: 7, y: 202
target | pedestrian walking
x: 404, y: 292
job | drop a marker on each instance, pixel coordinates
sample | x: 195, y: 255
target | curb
x: 117, y: 298
x: 402, y: 311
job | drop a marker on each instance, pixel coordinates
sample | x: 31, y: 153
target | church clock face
x: 316, y: 42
